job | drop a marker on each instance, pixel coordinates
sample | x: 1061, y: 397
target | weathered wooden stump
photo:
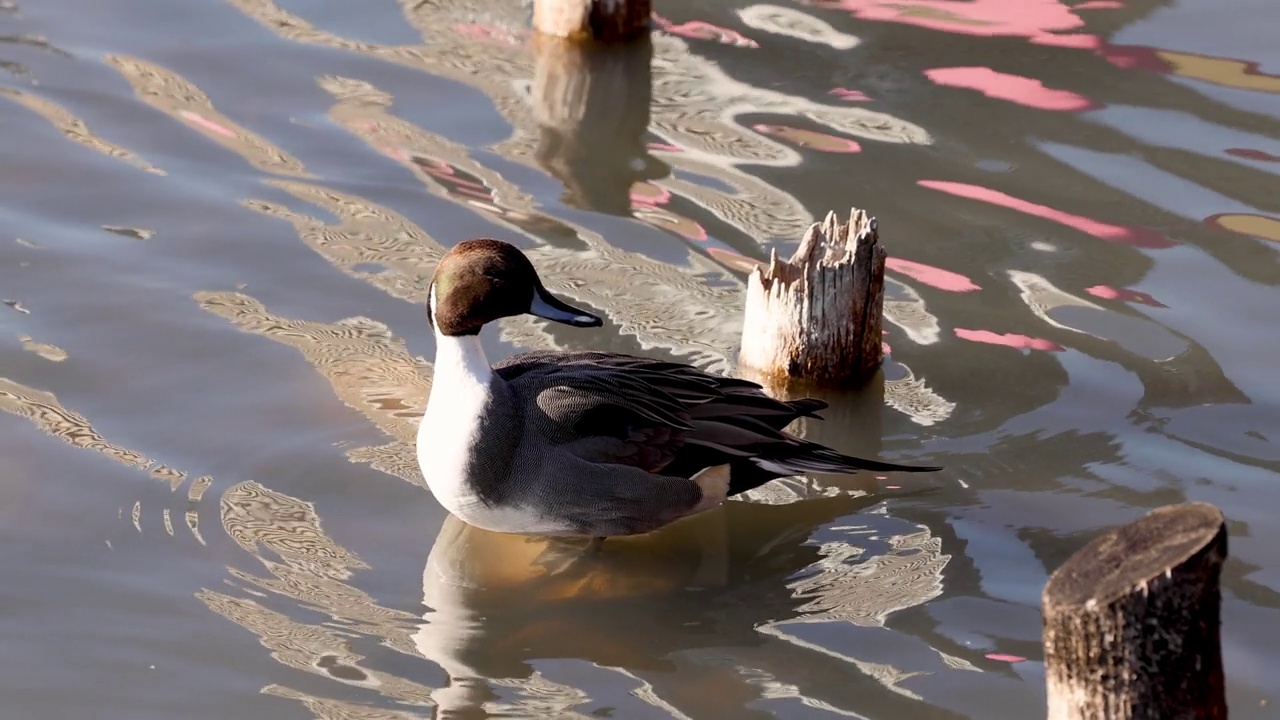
x: 818, y: 316
x: 591, y: 103
x: 601, y: 20
x: 1131, y: 621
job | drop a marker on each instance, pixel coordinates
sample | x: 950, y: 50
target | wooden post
x: 591, y: 103
x: 818, y: 316
x: 601, y: 20
x: 1131, y: 621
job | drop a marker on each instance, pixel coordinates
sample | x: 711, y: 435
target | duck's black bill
x: 546, y: 305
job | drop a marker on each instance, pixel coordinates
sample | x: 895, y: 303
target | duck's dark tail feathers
x: 807, y: 407
x: 810, y: 457
x: 750, y: 473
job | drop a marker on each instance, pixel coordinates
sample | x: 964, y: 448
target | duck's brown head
x: 482, y: 280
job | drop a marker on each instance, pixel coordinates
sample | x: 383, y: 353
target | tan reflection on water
x: 310, y: 570
x: 865, y: 593
x: 473, y: 627
x: 44, y: 411
x: 694, y: 107
x: 911, y: 396
x: 254, y: 515
x: 179, y: 98
x: 75, y: 129
x: 363, y: 109
x: 909, y: 313
x: 1221, y: 71
x: 52, y: 353
x: 366, y: 234
x: 329, y: 709
x: 649, y: 299
x: 794, y: 23
x: 313, y: 566
x: 311, y: 648
x: 369, y: 369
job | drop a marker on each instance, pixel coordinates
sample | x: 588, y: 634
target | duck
x: 588, y: 443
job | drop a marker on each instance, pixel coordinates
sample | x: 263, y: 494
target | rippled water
x: 220, y: 218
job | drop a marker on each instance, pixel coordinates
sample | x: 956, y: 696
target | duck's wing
x: 666, y: 417
x: 613, y: 408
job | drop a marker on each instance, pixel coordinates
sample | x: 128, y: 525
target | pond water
x: 220, y: 219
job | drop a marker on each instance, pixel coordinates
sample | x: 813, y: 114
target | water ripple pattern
x: 222, y: 218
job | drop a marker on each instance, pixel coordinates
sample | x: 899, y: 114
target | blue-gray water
x: 220, y: 217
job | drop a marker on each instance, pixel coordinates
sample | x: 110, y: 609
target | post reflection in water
x: 591, y: 104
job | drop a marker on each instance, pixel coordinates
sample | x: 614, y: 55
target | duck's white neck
x: 447, y: 434
x: 460, y: 360
x: 461, y: 364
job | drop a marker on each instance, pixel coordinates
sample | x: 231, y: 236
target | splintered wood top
x: 1115, y: 563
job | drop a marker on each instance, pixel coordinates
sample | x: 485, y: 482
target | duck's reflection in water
x: 675, y: 612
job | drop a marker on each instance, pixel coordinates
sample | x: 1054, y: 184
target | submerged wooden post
x: 818, y: 316
x: 1131, y: 621
x: 602, y: 20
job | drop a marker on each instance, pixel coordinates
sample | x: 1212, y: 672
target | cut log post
x: 600, y: 20
x: 591, y: 103
x: 818, y: 316
x: 1131, y: 621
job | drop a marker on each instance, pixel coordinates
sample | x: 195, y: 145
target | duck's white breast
x: 449, y: 438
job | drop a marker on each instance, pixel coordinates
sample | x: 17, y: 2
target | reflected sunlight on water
x: 1084, y: 255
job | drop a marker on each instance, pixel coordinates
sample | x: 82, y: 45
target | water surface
x: 221, y: 218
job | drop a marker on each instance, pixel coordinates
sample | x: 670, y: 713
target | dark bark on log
x: 1131, y: 621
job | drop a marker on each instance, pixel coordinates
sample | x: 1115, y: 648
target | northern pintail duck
x: 585, y: 443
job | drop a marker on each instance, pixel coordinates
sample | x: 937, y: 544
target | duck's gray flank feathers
x: 509, y: 466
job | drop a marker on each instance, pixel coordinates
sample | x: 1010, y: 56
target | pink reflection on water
x: 646, y: 193
x: 1013, y: 88
x: 664, y: 219
x: 1051, y: 23
x: 699, y: 30
x: 1013, y: 340
x: 1002, y: 657
x: 849, y: 95
x: 206, y: 124
x: 1107, y: 292
x: 931, y: 276
x: 1134, y: 57
x: 647, y: 201
x: 1076, y: 42
x: 1036, y: 20
x: 732, y: 260
x: 1251, y: 154
x: 1137, y: 237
